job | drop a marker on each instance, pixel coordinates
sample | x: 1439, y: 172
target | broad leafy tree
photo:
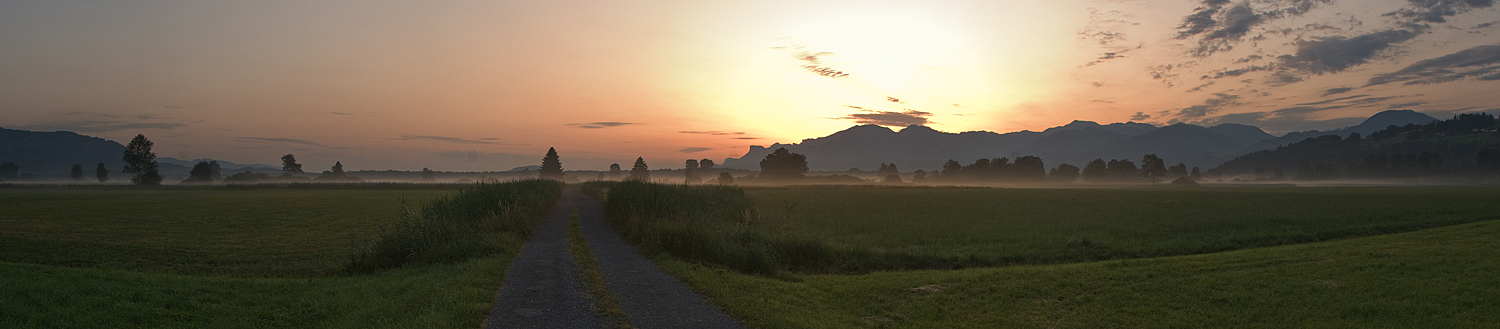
x: 783, y: 165
x: 337, y: 174
x: 289, y: 165
x: 614, y: 171
x: 725, y: 178
x: 640, y: 172
x: 77, y: 172
x: 1028, y: 168
x: 1153, y: 167
x: 427, y: 175
x: 140, y: 162
x: 689, y: 172
x: 101, y: 173
x: 203, y: 172
x: 706, y: 164
x: 1064, y: 173
x: 951, y: 171
x: 893, y: 179
x: 1095, y: 171
x: 1122, y: 169
x: 552, y: 165
x: 1178, y: 170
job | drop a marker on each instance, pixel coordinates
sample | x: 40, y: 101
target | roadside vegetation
x: 477, y: 221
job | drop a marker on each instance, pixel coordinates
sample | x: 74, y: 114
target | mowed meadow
x: 942, y: 257
x: 328, y: 256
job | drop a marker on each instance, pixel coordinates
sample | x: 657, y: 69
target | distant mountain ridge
x: 1376, y: 122
x: 57, y: 151
x: 53, y: 152
x: 1076, y: 143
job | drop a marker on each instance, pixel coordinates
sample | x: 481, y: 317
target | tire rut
x: 651, y: 297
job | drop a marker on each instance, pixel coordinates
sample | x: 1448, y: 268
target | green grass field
x: 990, y: 227
x: 1436, y: 278
x: 229, y: 232
x: 232, y: 257
x: 1391, y: 257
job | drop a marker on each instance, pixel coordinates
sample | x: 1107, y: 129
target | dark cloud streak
x: 890, y: 118
x: 1477, y: 62
x: 286, y: 140
x: 443, y: 139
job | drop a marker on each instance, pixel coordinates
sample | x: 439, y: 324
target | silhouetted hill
x: 45, y: 153
x: 1076, y: 143
x: 1438, y: 147
x: 1376, y: 122
x: 919, y: 147
x: 1241, y: 133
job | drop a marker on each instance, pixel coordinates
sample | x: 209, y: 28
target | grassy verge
x: 589, y: 266
x: 475, y: 222
x: 1436, y: 278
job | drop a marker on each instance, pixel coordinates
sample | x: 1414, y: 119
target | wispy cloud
x: 1334, y: 91
x: 285, y: 140
x: 443, y: 139
x: 349, y: 114
x: 890, y: 118
x: 601, y: 124
x: 694, y: 149
x: 813, y: 61
x: 1209, y: 106
x: 1482, y: 62
x: 714, y: 133
x: 95, y: 126
x: 1406, y: 105
x: 1326, y: 101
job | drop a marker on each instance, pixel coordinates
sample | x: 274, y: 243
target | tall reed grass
x: 719, y: 225
x: 715, y: 225
x: 478, y: 221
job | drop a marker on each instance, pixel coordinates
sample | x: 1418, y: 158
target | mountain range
x: 865, y: 146
x: 919, y: 147
x: 54, y: 153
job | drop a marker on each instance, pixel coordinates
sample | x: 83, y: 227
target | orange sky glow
x: 406, y: 85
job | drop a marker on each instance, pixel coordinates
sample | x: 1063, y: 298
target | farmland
x: 229, y: 257
x: 1079, y: 258
x: 1032, y: 226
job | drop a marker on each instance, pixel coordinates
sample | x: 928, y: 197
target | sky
x: 490, y: 85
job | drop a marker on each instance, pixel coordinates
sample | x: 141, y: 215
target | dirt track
x: 543, y: 290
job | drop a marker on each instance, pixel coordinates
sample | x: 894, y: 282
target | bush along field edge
x: 478, y: 221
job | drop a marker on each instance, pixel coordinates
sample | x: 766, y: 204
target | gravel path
x: 542, y: 289
x: 652, y: 298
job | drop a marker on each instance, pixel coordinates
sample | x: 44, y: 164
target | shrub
x: 477, y: 221
x: 1184, y: 181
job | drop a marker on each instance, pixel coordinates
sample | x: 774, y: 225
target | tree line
x: 1463, y: 146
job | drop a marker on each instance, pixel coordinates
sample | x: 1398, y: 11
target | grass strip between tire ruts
x: 598, y: 288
